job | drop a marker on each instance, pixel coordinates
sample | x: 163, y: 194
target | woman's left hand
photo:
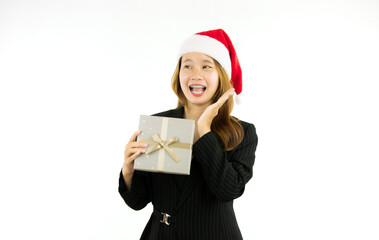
x: 205, y: 120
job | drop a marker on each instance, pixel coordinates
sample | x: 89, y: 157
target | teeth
x: 197, y: 86
x: 197, y: 89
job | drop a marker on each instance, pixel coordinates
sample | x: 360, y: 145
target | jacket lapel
x: 176, y: 113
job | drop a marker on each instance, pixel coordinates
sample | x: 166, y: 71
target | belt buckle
x: 165, y: 217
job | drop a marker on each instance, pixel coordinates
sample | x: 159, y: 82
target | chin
x: 203, y: 100
x: 199, y: 102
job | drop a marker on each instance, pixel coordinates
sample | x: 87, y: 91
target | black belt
x: 163, y: 217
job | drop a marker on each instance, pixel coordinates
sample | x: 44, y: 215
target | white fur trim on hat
x: 210, y: 47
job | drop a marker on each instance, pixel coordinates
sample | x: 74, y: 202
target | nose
x: 196, y: 74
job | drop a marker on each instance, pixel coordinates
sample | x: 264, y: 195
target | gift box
x: 170, y: 145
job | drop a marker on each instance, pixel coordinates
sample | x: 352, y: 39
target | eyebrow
x: 205, y: 60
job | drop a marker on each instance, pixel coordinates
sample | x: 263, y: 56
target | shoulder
x: 250, y: 134
x: 245, y: 125
x: 176, y: 113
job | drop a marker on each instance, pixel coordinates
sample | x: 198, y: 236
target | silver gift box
x: 170, y: 142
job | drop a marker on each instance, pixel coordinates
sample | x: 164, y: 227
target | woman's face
x: 198, y: 78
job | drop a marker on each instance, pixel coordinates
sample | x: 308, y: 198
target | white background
x: 76, y: 75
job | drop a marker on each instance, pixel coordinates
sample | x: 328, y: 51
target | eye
x: 187, y: 66
x: 207, y: 67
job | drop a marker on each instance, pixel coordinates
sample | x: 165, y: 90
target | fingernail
x: 146, y: 144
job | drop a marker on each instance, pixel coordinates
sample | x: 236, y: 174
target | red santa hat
x: 216, y: 44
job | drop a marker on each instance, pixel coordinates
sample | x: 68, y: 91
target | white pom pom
x: 237, y: 99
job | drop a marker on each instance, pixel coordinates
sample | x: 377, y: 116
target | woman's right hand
x: 132, y: 150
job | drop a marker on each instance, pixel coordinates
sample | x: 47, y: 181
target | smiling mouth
x: 197, y: 89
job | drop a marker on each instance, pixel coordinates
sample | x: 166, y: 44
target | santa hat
x: 216, y: 44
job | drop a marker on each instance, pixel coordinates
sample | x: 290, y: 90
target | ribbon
x: 159, y: 143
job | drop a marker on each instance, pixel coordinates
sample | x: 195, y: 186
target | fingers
x: 132, y: 153
x: 128, y: 167
x: 136, y: 145
x: 134, y: 136
x: 132, y: 150
x: 224, y: 98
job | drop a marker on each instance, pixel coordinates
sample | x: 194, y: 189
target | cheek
x: 213, y: 80
x: 181, y: 81
x: 183, y: 77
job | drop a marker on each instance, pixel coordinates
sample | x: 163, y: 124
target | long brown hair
x: 228, y: 130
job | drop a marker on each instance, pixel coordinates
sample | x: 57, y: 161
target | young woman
x: 198, y: 206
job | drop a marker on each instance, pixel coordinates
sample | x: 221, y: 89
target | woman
x: 198, y: 206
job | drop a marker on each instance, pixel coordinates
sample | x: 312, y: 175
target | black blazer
x: 200, y: 205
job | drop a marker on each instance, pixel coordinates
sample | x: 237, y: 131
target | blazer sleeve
x: 226, y: 172
x: 140, y: 194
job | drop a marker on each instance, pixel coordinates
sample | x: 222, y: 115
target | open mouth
x: 197, y: 89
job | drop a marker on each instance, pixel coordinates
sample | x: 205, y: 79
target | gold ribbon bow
x: 165, y: 144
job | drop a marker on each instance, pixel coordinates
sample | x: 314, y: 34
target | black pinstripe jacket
x: 200, y: 205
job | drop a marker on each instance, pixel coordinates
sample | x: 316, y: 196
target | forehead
x: 195, y: 56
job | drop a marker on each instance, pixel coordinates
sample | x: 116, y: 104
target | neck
x: 194, y: 112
